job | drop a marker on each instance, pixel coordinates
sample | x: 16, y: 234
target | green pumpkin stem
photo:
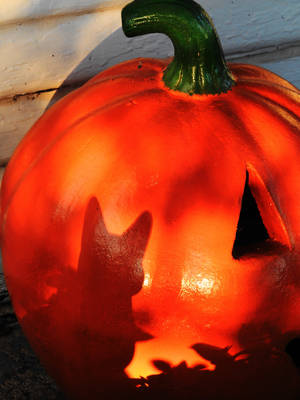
x: 198, y: 66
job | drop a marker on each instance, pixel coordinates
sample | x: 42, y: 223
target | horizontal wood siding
x: 16, y: 117
x: 19, y: 11
x: 40, y: 55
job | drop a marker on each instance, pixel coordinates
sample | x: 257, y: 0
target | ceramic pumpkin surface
x: 124, y: 227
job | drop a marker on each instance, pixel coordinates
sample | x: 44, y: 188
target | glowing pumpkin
x: 123, y: 232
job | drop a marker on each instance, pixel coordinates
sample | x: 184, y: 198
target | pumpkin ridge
x: 135, y: 65
x: 71, y: 100
x: 230, y: 110
x: 271, y: 106
x: 268, y: 85
x: 282, y: 95
x: 255, y: 73
x: 140, y: 77
x: 6, y: 202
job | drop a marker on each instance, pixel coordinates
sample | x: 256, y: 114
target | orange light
x: 119, y: 213
x: 166, y: 349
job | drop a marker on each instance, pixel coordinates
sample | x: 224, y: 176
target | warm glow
x: 197, y: 284
x: 147, y: 280
x: 50, y: 291
x: 166, y: 349
x: 119, y: 214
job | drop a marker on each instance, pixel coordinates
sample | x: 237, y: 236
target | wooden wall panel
x: 40, y: 55
x: 16, y: 117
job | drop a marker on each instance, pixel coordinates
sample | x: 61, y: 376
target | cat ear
x: 137, y: 235
x: 94, y: 229
x: 93, y: 222
x: 88, y: 266
x: 101, y: 250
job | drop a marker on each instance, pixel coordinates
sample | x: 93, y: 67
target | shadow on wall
x: 115, y: 49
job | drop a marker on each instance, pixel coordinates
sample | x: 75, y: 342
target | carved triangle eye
x: 251, y: 231
x: 260, y: 228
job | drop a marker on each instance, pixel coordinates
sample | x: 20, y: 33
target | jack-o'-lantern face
x: 143, y: 225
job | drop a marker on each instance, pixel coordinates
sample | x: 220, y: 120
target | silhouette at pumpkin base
x: 262, y: 371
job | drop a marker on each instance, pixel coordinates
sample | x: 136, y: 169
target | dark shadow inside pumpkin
x: 252, y: 235
x: 262, y: 370
x: 293, y: 350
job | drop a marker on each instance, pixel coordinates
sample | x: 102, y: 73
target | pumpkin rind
x: 126, y: 156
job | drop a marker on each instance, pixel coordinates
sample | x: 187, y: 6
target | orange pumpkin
x: 122, y: 234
